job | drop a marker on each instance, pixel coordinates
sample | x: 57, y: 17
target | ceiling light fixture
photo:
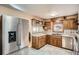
x: 54, y: 14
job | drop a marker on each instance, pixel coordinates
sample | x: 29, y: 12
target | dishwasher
x: 67, y: 43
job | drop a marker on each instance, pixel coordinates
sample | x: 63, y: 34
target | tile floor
x: 46, y: 50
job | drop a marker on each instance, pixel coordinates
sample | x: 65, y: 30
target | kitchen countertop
x: 38, y: 34
x: 45, y: 33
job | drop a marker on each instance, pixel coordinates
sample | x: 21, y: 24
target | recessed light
x: 53, y: 14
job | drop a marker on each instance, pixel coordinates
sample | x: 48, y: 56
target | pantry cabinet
x: 38, y: 42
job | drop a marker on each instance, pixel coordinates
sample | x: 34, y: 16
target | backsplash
x: 69, y: 32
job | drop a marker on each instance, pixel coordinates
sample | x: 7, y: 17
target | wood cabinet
x: 38, y: 42
x: 47, y: 25
x: 55, y: 40
x: 48, y: 39
x: 72, y: 16
x: 65, y: 23
x: 70, y: 24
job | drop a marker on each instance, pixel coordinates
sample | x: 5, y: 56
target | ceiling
x: 47, y: 10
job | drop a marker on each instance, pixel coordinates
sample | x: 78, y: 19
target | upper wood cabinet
x: 47, y: 25
x: 72, y: 16
x: 57, y: 24
x: 65, y: 23
x: 70, y: 24
x: 35, y: 22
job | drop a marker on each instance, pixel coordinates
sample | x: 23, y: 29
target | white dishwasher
x: 67, y: 43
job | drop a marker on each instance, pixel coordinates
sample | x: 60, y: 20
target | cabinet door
x: 70, y: 24
x: 75, y: 24
x: 48, y: 39
x: 38, y: 42
x: 35, y: 42
x: 65, y: 23
x: 47, y: 25
x: 42, y: 41
x: 56, y: 41
x: 59, y: 42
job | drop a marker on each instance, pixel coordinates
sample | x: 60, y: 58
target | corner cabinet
x: 38, y: 41
x: 55, y: 40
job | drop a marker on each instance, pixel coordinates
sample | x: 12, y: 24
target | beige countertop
x: 41, y: 34
x: 38, y: 34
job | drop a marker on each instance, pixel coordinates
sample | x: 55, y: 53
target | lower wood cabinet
x: 38, y: 42
x: 54, y: 40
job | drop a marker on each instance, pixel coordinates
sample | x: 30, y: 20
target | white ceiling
x: 47, y: 10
